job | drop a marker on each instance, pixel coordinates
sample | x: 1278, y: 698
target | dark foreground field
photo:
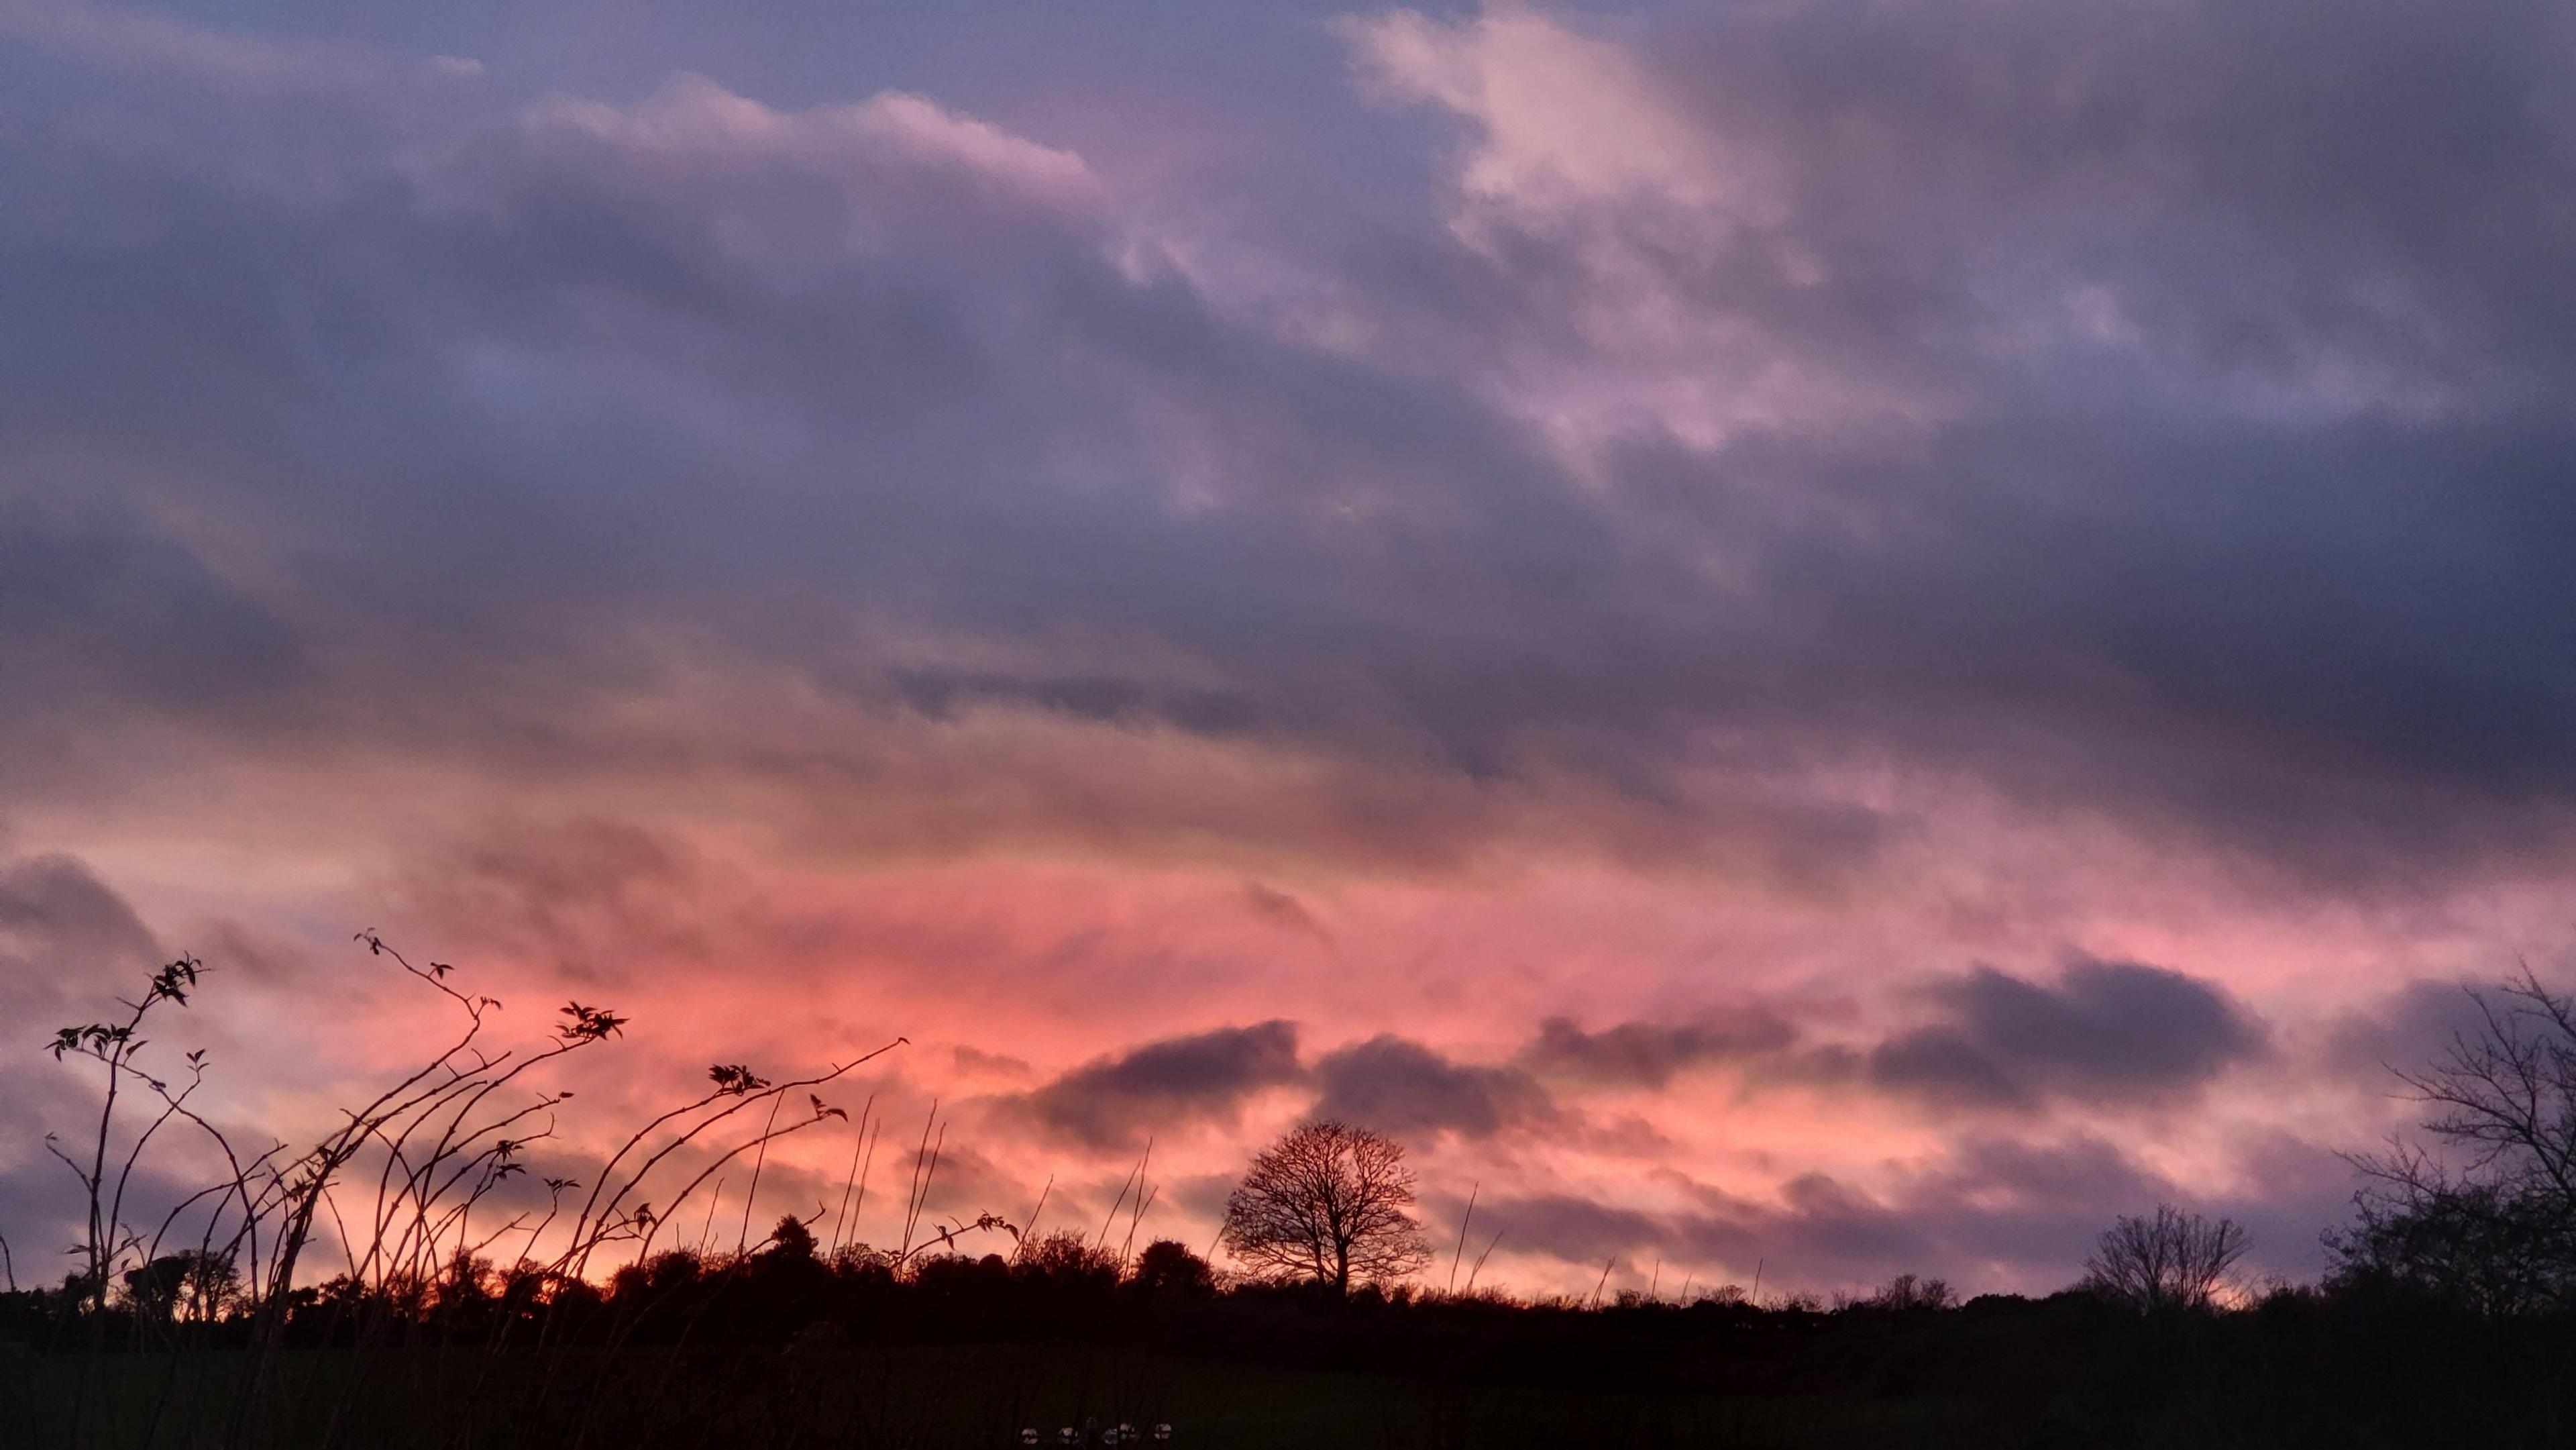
x: 958, y: 1397
x: 1997, y: 1373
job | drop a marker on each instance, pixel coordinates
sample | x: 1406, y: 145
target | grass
x: 931, y: 1397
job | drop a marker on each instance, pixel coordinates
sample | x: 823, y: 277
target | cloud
x: 1116, y: 1101
x: 2106, y: 1031
x: 1907, y: 304
x: 871, y: 409
x: 67, y: 939
x: 1651, y: 1054
x: 1572, y: 1227
x: 1274, y: 905
x: 583, y: 894
x: 60, y: 923
x: 1897, y: 415
x: 2017, y: 1212
x: 1398, y: 1086
x: 2415, y: 1027
x: 974, y: 1061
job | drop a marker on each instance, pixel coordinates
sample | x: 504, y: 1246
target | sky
x: 1802, y: 637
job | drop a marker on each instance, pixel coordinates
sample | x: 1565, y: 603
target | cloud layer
x: 1770, y: 625
x: 2109, y: 1029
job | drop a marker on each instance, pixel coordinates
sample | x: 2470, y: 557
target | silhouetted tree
x: 1905, y: 1291
x: 2497, y: 1233
x: 1327, y: 1202
x: 1168, y: 1266
x: 189, y: 1285
x: 791, y: 1240
x: 2467, y: 1244
x: 2165, y: 1260
x: 1067, y: 1254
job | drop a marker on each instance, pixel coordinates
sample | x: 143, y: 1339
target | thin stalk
x: 1461, y: 1252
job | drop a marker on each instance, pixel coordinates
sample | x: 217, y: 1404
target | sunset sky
x: 1824, y: 636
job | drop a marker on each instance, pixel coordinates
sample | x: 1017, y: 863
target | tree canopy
x: 1327, y: 1202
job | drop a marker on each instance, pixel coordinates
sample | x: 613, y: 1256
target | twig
x: 1461, y: 1252
x: 1030, y: 1231
x: 758, y: 1161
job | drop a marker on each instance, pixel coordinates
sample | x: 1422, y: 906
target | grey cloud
x: 586, y: 894
x: 1944, y: 1063
x: 2105, y: 1031
x: 1203, y: 1194
x: 1990, y: 1213
x: 1282, y: 907
x: 1116, y: 1101
x: 63, y: 931
x: 2406, y: 1031
x: 1925, y: 171
x: 1651, y: 1054
x: 1567, y: 1226
x: 1398, y: 1086
x: 1820, y: 1233
x: 1389, y: 1083
x: 972, y: 1059
x: 2344, y: 675
x: 941, y: 695
x: 2414, y: 1027
x: 101, y: 612
x: 532, y: 382
x: 968, y: 1183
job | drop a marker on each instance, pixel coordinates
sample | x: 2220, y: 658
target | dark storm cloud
x: 2105, y: 1031
x: 1397, y: 1086
x: 1117, y: 1101
x: 1651, y: 1054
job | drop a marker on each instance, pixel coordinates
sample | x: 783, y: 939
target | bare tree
x: 1328, y: 1202
x: 2496, y: 1227
x: 1906, y: 1291
x: 2463, y: 1242
x: 2165, y: 1260
x: 2506, y: 1092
